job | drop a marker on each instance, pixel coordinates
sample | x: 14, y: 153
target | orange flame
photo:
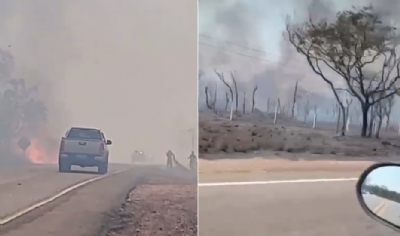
x: 38, y: 154
x: 43, y: 148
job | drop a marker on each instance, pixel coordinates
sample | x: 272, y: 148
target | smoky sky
x: 127, y: 67
x: 275, y: 73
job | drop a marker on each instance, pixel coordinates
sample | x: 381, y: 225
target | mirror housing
x: 377, y: 190
x: 108, y: 142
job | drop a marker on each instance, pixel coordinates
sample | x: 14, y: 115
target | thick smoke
x: 246, y: 24
x: 34, y: 35
x: 119, y: 66
x: 263, y: 28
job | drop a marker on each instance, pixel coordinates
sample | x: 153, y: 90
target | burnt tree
x: 349, y: 46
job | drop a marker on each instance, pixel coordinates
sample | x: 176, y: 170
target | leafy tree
x: 359, y: 48
x: 384, y: 192
x: 20, y: 111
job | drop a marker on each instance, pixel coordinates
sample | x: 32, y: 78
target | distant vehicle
x: 138, y: 156
x: 364, y: 192
x: 84, y: 147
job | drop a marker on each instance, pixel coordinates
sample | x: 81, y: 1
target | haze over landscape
x: 101, y: 64
x: 247, y: 37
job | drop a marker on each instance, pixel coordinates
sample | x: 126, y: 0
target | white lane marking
x: 275, y: 182
x: 54, y: 197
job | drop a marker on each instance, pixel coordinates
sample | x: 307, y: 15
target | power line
x: 243, y: 47
x: 253, y: 57
x: 235, y: 44
x: 245, y: 55
x: 247, y: 48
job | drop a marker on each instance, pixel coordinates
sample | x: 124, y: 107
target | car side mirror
x: 378, y: 193
x: 108, y: 142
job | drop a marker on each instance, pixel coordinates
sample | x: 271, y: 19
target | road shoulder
x: 88, y: 210
x: 260, y: 169
x: 157, y: 209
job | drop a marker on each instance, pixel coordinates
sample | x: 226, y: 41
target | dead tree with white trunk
x: 227, y: 100
x: 306, y: 109
x: 244, y: 103
x: 388, y: 110
x: 222, y: 78
x: 253, y: 98
x: 348, y: 102
x: 236, y: 91
x: 334, y: 108
x: 211, y: 98
x: 279, y: 106
x: 294, y: 98
x: 379, y: 114
x: 339, y: 117
x: 372, y: 116
x: 315, y: 117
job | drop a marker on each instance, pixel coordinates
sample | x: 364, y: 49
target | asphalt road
x: 79, y: 212
x: 282, y: 209
x: 374, y: 203
x: 385, y: 209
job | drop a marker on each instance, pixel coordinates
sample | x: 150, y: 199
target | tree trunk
x: 231, y: 113
x: 253, y: 99
x: 237, y: 103
x: 244, y: 103
x: 279, y: 106
x: 371, y: 121
x: 294, y: 98
x: 236, y: 96
x: 207, y: 98
x: 338, y: 121
x: 215, y: 100
x: 379, y: 127
x: 226, y: 101
x: 343, y: 131
x: 387, y: 122
x: 364, y: 126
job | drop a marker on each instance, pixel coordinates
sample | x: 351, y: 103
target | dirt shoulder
x: 262, y: 169
x: 277, y: 165
x: 158, y: 207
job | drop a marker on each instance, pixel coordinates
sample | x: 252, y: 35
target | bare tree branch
x: 349, y: 46
x: 222, y: 78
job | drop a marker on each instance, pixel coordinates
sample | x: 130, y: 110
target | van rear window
x: 84, y: 134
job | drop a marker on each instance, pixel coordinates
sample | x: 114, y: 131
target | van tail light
x: 62, y: 146
x: 101, y: 151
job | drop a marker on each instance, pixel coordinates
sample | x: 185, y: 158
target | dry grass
x: 158, y: 210
x: 218, y: 135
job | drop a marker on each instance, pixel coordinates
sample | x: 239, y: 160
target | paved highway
x: 282, y: 209
x: 23, y: 187
x: 386, y: 209
x: 391, y: 212
x: 79, y: 212
x: 374, y: 203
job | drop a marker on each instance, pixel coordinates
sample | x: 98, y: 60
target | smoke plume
x: 123, y: 67
x: 262, y: 27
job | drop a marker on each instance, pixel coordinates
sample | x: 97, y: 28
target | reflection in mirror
x: 381, y: 193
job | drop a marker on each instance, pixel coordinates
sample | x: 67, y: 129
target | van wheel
x: 64, y: 167
x: 102, y: 168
